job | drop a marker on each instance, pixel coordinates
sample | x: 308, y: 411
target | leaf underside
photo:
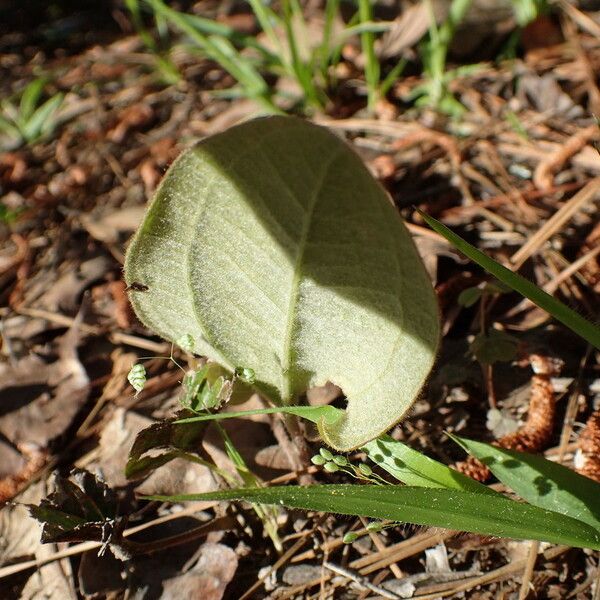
x: 273, y: 246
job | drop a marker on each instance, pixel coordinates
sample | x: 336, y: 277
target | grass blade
x: 413, y: 468
x: 367, y: 39
x: 452, y: 509
x: 561, y: 312
x: 222, y: 51
x: 30, y: 98
x: 41, y: 122
x: 315, y: 414
x: 540, y: 481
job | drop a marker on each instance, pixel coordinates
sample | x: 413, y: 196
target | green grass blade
x: 452, y: 509
x: 561, y: 312
x: 208, y: 27
x: 222, y: 51
x: 393, y: 76
x: 413, y: 468
x: 266, y: 514
x: 30, y: 98
x: 41, y: 122
x: 9, y: 128
x: 367, y: 38
x: 266, y: 17
x: 540, y: 481
x: 315, y: 414
x: 294, y: 21
x: 324, y: 50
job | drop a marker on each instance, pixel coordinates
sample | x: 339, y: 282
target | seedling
x: 286, y: 50
x: 298, y: 268
x: 28, y: 121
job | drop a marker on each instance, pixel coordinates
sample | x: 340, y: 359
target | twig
x: 360, y: 581
x: 558, y: 219
x: 87, y: 546
x: 544, y: 172
x: 526, y: 584
x: 117, y: 337
x: 285, y: 557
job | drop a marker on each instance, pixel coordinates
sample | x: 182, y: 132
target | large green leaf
x: 273, y: 246
x: 453, y: 509
x: 540, y: 481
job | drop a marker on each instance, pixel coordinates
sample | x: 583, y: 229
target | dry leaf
x: 39, y: 400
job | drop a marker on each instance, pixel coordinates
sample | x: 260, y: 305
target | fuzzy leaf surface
x: 273, y: 246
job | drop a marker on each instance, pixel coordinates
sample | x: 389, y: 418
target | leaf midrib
x: 286, y: 384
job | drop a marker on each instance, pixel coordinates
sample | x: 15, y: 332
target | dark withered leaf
x: 81, y: 508
x: 166, y: 441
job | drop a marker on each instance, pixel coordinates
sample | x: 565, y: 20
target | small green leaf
x: 452, y: 509
x: 186, y: 342
x: 540, y: 481
x: 30, y: 98
x: 246, y: 374
x: 469, y: 296
x: 42, y: 121
x: 273, y: 246
x: 494, y: 346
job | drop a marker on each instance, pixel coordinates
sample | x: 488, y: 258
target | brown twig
x: 544, y: 172
x: 554, y: 224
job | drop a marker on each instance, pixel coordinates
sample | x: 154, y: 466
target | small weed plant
x: 272, y: 251
x: 27, y: 120
x: 285, y: 49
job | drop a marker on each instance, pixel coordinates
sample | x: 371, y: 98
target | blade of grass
x: 413, y: 468
x: 165, y: 67
x: 392, y: 76
x: 315, y: 414
x: 267, y: 515
x: 567, y: 316
x: 293, y: 18
x: 29, y: 99
x: 266, y: 17
x: 540, y: 481
x: 224, y: 53
x: 208, y: 27
x: 452, y: 509
x: 41, y: 121
x: 323, y: 53
x: 367, y: 38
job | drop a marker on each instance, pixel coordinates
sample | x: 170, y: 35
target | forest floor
x: 523, y: 150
